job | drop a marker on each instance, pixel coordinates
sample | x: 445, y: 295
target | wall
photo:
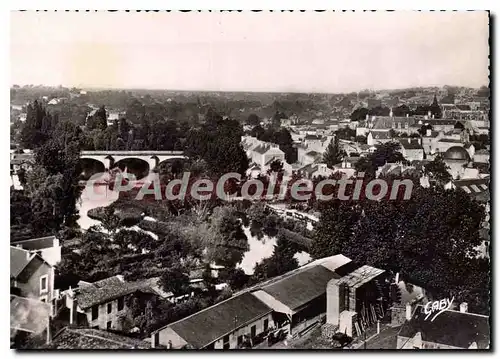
x: 167, y: 334
x: 31, y: 289
x: 233, y: 337
x: 103, y: 317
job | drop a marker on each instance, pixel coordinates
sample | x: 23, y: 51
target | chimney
x: 464, y: 307
x: 367, y: 117
x: 390, y: 113
x: 429, y: 114
x: 428, y: 132
x: 408, y: 311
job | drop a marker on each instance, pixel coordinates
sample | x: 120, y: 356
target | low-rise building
x: 225, y: 325
x: 30, y: 275
x: 449, y: 330
x: 100, y: 305
x: 412, y: 149
x: 376, y: 137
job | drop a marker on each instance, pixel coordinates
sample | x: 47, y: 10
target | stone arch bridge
x: 152, y: 158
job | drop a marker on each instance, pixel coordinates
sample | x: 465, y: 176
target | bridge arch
x: 91, y: 166
x: 137, y: 166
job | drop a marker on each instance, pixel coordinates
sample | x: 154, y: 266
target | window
x: 225, y: 342
x: 108, y: 325
x: 253, y: 331
x: 266, y: 324
x: 110, y: 307
x: 120, y: 303
x: 157, y: 338
x: 240, y: 340
x: 44, y: 281
x: 95, y: 312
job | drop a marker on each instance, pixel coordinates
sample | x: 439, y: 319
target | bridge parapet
x: 130, y: 153
x: 153, y: 158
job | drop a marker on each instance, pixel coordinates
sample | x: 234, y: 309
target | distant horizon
x: 310, y: 52
x: 101, y: 88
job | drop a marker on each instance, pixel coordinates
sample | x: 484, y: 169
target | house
x: 378, y: 137
x: 315, y: 170
x: 31, y: 276
x: 262, y: 153
x: 439, y: 124
x: 92, y: 339
x: 47, y: 247
x: 313, y: 141
x: 100, y: 305
x: 411, y: 149
x: 310, y: 157
x: 450, y: 330
x: 222, y: 326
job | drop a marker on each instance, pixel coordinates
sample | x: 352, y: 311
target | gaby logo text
x: 437, y: 307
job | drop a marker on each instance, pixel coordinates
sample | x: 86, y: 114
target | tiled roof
x: 210, y: 324
x: 35, y: 243
x: 18, y: 261
x: 302, y: 287
x: 473, y: 187
x: 108, y: 289
x: 410, y: 144
x: 439, y: 122
x: 381, y: 135
x: 261, y: 149
x: 85, y: 339
x: 451, y: 328
x: 450, y: 140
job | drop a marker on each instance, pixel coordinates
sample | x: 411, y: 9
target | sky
x: 250, y: 51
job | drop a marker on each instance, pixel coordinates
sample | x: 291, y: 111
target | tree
x: 437, y: 170
x: 430, y: 238
x: 359, y: 114
x: 346, y: 134
x: 333, y: 155
x: 257, y: 132
x: 253, y: 120
x: 174, y: 280
x: 385, y: 153
x: 282, y: 261
x: 334, y: 229
x: 226, y: 243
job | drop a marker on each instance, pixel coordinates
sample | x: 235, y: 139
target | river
x: 259, y: 249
